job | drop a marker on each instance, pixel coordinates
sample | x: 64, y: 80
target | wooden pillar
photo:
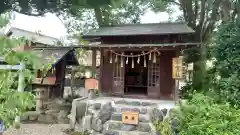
x: 101, y: 70
x: 94, y: 54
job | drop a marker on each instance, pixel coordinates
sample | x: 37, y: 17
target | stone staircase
x: 115, y: 126
x: 103, y: 116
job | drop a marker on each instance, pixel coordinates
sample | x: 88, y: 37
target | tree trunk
x: 98, y: 15
x: 237, y: 8
x: 203, y: 33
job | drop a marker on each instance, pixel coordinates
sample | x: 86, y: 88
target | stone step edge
x: 32, y: 113
x: 133, y: 106
x: 145, y: 115
x: 119, y: 109
x: 152, y: 131
x: 128, y: 132
x: 115, y: 121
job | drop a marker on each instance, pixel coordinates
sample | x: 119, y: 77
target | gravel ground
x: 38, y: 129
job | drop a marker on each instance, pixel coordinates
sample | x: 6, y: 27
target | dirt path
x: 38, y: 129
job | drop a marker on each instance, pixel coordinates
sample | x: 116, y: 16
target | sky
x: 50, y: 24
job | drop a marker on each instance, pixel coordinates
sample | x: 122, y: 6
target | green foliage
x: 227, y: 49
x: 12, y: 102
x: 42, y: 7
x: 203, y: 116
x: 164, y: 127
x: 187, y: 91
x: 226, y: 52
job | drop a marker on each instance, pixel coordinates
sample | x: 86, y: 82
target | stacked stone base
x: 100, y: 117
x: 53, y: 113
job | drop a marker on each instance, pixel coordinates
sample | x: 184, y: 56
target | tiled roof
x: 52, y: 55
x: 35, y: 36
x: 141, y: 29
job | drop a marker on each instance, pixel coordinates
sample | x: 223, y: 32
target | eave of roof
x: 140, y: 29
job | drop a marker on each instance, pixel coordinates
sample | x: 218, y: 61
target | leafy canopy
x: 226, y: 52
x: 12, y: 102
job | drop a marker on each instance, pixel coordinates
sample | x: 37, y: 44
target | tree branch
x: 178, y: 4
x: 213, y: 18
x: 202, y: 14
x: 196, y: 11
x: 30, y: 14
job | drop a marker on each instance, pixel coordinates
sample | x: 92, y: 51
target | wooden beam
x: 138, y: 45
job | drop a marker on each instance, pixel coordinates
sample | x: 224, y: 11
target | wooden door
x: 118, y: 78
x: 154, y: 78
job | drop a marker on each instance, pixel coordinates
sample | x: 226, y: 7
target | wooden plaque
x: 177, y: 68
x: 130, y: 118
x: 91, y: 83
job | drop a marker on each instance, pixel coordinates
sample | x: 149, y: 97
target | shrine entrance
x: 136, y: 75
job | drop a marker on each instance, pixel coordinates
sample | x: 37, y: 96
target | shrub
x: 164, y: 127
x: 203, y: 116
x: 226, y: 52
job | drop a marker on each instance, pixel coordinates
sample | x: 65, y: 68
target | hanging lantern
x: 154, y: 57
x: 138, y: 61
x: 116, y: 59
x: 110, y: 61
x: 122, y: 60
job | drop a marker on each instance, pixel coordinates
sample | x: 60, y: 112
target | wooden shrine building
x: 136, y: 59
x: 58, y: 58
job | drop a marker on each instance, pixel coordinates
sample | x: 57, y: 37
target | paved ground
x: 38, y: 129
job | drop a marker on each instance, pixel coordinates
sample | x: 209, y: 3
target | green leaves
x: 12, y: 102
x: 204, y: 116
x: 226, y: 51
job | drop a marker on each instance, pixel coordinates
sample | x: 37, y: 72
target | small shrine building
x: 136, y: 59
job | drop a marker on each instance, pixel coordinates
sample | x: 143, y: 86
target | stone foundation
x: 54, y: 112
x: 104, y: 116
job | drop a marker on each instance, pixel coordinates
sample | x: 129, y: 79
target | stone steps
x: 144, y: 118
x: 117, y: 126
x: 140, y: 109
x: 119, y: 132
x: 134, y: 103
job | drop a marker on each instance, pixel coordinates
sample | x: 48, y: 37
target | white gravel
x: 38, y: 129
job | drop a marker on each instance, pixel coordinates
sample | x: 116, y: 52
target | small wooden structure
x: 136, y: 59
x: 59, y: 58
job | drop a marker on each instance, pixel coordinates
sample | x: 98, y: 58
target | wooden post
x: 20, y: 86
x: 94, y: 53
x: 101, y: 69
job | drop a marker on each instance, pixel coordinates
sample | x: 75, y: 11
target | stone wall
x: 54, y: 112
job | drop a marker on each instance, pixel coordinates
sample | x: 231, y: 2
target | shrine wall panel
x: 106, y: 75
x: 166, y: 81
